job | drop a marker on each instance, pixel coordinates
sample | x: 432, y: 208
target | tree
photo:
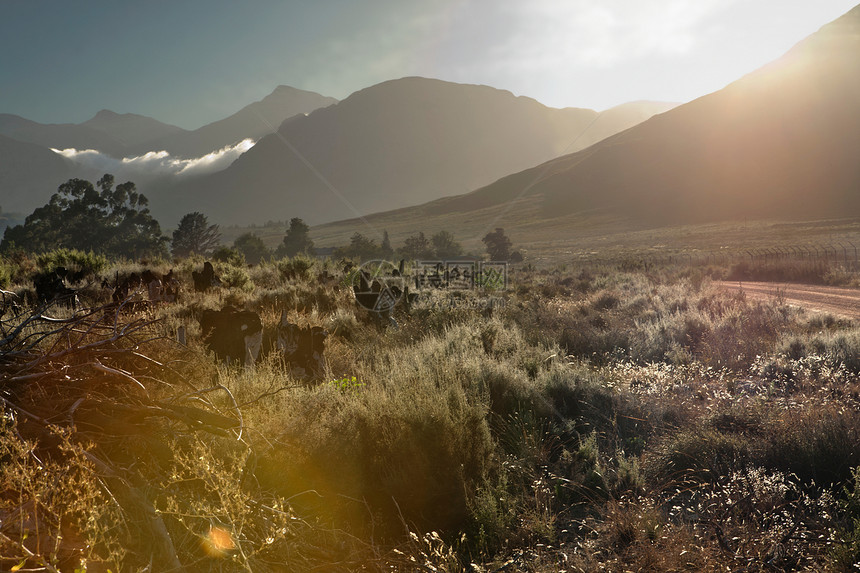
x: 229, y: 255
x: 385, y: 249
x: 195, y: 235
x: 360, y: 247
x: 110, y: 221
x: 498, y: 245
x: 297, y: 240
x: 252, y: 248
x: 445, y: 246
x: 416, y: 247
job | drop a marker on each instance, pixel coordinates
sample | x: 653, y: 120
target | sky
x: 191, y: 62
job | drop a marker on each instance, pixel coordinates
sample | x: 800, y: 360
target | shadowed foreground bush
x: 379, y: 461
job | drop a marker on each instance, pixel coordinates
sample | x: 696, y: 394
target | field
x: 614, y: 415
x: 585, y: 238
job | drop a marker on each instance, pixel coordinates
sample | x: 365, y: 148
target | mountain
x: 398, y: 143
x: 29, y: 174
x: 617, y: 119
x: 129, y: 129
x: 782, y: 142
x: 252, y: 121
x: 111, y: 133
x: 128, y: 134
x: 60, y: 136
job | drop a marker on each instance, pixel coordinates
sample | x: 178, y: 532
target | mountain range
x: 30, y: 172
x: 781, y: 143
x: 395, y: 144
x: 252, y: 121
x: 392, y: 145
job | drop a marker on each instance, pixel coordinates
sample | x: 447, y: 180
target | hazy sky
x: 190, y: 62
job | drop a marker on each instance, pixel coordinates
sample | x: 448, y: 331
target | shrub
x: 699, y: 454
x: 412, y: 457
x: 818, y: 444
x: 781, y: 271
x: 846, y: 554
x: 7, y: 271
x: 86, y: 263
x: 237, y: 278
x: 55, y: 512
x: 295, y: 268
x: 229, y: 255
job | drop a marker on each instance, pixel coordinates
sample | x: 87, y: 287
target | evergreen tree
x: 297, y: 240
x: 385, y: 248
x: 195, y: 235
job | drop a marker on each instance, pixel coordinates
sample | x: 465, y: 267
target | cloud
x: 156, y: 163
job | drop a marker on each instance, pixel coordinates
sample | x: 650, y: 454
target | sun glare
x: 218, y: 542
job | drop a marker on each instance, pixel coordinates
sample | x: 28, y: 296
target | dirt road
x: 844, y: 302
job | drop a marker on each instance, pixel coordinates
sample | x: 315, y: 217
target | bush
x: 412, y: 457
x: 846, y: 554
x: 295, y: 268
x: 229, y: 255
x: 83, y: 263
x: 7, y: 271
x: 699, y: 454
x: 237, y: 278
x: 819, y: 444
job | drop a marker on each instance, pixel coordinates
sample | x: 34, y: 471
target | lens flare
x: 218, y: 542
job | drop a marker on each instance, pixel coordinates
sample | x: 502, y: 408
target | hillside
x: 392, y: 145
x: 29, y: 174
x: 780, y: 143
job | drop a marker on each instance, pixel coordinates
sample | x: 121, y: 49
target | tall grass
x: 602, y: 418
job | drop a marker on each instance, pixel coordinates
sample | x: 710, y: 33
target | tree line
x: 115, y: 221
x: 440, y: 246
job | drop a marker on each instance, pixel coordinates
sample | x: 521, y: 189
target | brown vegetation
x: 596, y: 418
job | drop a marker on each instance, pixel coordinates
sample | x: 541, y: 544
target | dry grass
x: 601, y: 418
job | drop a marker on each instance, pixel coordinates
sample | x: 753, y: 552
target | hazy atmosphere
x: 480, y: 286
x: 193, y: 62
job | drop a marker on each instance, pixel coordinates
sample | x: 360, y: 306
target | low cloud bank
x: 156, y: 163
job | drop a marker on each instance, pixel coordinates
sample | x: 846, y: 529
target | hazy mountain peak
x: 848, y: 22
x: 105, y: 114
x: 838, y: 38
x: 397, y: 143
x: 420, y: 83
x: 283, y: 90
x: 251, y: 122
x: 781, y: 142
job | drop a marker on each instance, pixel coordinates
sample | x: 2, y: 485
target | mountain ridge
x: 780, y: 143
x: 393, y: 144
x: 752, y: 149
x: 253, y: 121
